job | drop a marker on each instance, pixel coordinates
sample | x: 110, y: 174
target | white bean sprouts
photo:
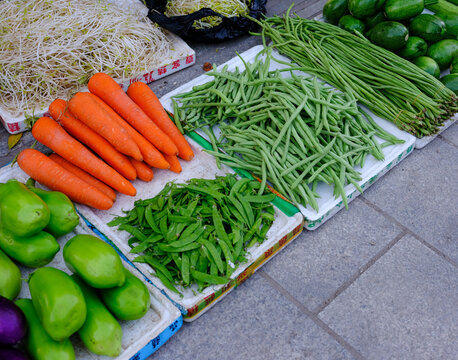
x: 228, y: 8
x: 50, y: 48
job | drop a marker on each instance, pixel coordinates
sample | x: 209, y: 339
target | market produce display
x: 198, y: 232
x: 89, y: 303
x: 391, y: 87
x: 50, y: 49
x: 428, y: 40
x: 291, y: 140
x: 130, y: 132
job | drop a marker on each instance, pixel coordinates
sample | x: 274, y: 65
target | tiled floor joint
x: 311, y: 315
x: 360, y: 271
x: 408, y: 231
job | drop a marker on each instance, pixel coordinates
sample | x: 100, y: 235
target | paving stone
x: 421, y: 194
x: 451, y: 134
x: 253, y: 322
x: 403, y: 307
x: 317, y: 263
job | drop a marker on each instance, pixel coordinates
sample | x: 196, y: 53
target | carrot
x: 55, y: 177
x: 109, y: 91
x: 175, y: 165
x: 89, y: 112
x: 83, y: 175
x: 151, y: 155
x: 51, y: 134
x: 147, y: 100
x: 80, y: 131
x: 144, y: 172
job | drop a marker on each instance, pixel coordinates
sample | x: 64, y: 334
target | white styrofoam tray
x: 181, y: 56
x: 372, y: 170
x: 139, y: 336
x: 193, y: 303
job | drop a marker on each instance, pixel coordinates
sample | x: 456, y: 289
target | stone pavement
x: 377, y: 281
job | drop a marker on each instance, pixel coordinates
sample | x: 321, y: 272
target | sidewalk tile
x: 451, y: 134
x: 254, y: 322
x: 403, y: 307
x: 421, y: 194
x: 317, y: 263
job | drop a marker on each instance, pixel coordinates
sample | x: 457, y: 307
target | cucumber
x: 397, y: 10
x: 442, y: 6
x: 333, y: 10
x: 390, y: 35
x: 454, y: 66
x: 351, y: 24
x: 363, y: 8
x: 429, y: 27
x: 374, y: 20
x: 443, y: 52
x: 415, y: 47
x: 451, y: 24
x: 451, y: 81
x: 429, y: 65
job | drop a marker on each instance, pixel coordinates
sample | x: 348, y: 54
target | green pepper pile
x: 30, y: 221
x: 186, y: 230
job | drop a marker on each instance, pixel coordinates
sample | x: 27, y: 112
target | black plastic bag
x: 229, y: 28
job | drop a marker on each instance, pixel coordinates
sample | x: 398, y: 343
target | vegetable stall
x: 147, y: 211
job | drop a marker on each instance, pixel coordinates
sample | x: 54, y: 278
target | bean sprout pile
x: 50, y: 48
x: 228, y: 8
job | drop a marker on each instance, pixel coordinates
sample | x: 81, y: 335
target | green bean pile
x: 391, y: 87
x: 186, y: 230
x: 290, y: 131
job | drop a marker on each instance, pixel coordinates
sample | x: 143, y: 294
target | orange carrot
x: 144, y: 172
x: 109, y: 91
x: 80, y: 131
x: 51, y: 134
x: 89, y: 112
x: 147, y: 100
x: 175, y: 165
x: 83, y: 175
x: 151, y: 155
x: 55, y: 177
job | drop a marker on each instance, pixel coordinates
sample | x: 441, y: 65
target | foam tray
x: 193, y: 303
x: 141, y: 337
x: 372, y: 170
x: 181, y: 56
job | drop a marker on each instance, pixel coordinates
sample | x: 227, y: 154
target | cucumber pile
x: 429, y: 40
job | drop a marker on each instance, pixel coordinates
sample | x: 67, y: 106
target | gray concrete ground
x: 377, y: 281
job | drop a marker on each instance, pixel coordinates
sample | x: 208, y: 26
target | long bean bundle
x: 392, y: 87
x: 291, y: 131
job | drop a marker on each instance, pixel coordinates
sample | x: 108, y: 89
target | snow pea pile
x: 293, y: 132
x: 198, y: 232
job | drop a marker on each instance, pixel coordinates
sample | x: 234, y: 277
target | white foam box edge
x: 372, y: 170
x: 192, y: 305
x: 142, y: 336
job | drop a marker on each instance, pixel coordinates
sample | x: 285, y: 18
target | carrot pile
x: 102, y: 140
